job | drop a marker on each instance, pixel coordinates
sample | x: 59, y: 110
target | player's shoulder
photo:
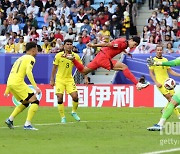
x: 120, y: 40
x: 28, y: 57
x: 75, y: 54
x: 59, y: 55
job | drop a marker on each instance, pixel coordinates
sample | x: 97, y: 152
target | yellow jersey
x: 160, y: 72
x: 22, y: 66
x: 65, y: 66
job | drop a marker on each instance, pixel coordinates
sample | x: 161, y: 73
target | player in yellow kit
x: 64, y: 80
x: 160, y: 73
x: 23, y: 66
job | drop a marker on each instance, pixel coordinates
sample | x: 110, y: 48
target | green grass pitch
x: 101, y: 131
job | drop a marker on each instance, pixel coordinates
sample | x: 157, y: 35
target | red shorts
x: 101, y: 60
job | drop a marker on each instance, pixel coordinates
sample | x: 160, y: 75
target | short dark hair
x: 68, y: 40
x: 136, y: 39
x: 30, y: 45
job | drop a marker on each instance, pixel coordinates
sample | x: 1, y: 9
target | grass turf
x: 101, y: 131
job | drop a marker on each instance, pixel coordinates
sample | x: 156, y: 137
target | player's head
x: 68, y: 45
x: 159, y: 51
x: 31, y: 48
x: 134, y: 42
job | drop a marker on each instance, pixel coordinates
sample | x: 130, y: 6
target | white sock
x: 11, y: 118
x: 27, y: 123
x: 161, y: 122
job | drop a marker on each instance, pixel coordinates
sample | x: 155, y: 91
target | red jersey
x: 118, y: 46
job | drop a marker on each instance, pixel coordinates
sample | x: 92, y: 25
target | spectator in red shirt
x: 85, y: 37
x: 58, y: 35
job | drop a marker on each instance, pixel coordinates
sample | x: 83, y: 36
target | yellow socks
x: 31, y: 112
x: 75, y: 106
x: 16, y: 111
x: 61, y: 110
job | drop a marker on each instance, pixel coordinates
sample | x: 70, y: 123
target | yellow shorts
x: 20, y: 91
x: 165, y: 91
x: 65, y: 85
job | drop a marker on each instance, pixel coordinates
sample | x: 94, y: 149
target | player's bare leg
x: 74, y: 96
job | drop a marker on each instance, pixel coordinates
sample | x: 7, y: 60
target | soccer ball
x: 170, y: 84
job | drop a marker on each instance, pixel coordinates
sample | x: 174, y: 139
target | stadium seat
x: 176, y: 44
x: 21, y: 26
x: 40, y: 19
x: 98, y: 1
x: 2, y: 50
x: 41, y: 24
x: 107, y: 1
x: 95, y: 6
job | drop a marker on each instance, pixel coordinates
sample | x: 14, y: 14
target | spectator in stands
x: 33, y: 9
x: 154, y: 18
x: 126, y: 23
x: 175, y: 26
x: 49, y: 4
x: 102, y: 18
x: 58, y: 44
x: 101, y: 8
x: 58, y: 3
x: 5, y: 5
x: 4, y: 28
x: 151, y: 4
x: 10, y: 18
x: 151, y: 39
x: 51, y: 37
x: 70, y: 35
x: 168, y: 19
x: 73, y: 26
x: 86, y: 27
x: 80, y: 46
x: 167, y: 40
x: 51, y: 27
x: 58, y: 35
x: 10, y: 46
x: 97, y: 26
x: 81, y: 16
x: 172, y: 13
x: 15, y: 27
x: 160, y: 14
x: 158, y: 34
x: 85, y: 37
x: 105, y: 33
x: 43, y: 12
x: 169, y: 48
x: 46, y: 47
x: 48, y: 16
x: 12, y: 8
x: 122, y: 7
x: 111, y: 8
x: 89, y: 54
x: 32, y: 20
x: 93, y: 34
x: 64, y: 10
x: 145, y: 34
x: 70, y: 3
x: 107, y: 14
x: 151, y: 27
x: 115, y: 27
x: 22, y: 17
x: 88, y: 9
x: 39, y: 3
x: 54, y: 49
x: 55, y: 20
x: 14, y: 37
x: 163, y: 26
x: 76, y: 7
x: 27, y: 27
x: 170, y: 33
x: 33, y: 34
x: 62, y: 26
x: 20, y: 46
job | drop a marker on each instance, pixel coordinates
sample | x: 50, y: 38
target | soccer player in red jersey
x: 104, y: 59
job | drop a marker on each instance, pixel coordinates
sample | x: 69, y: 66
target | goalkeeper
x: 175, y: 100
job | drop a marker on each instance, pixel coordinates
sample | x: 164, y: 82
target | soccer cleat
x: 142, y: 83
x: 9, y: 124
x: 156, y: 127
x: 63, y: 120
x: 76, y: 117
x: 29, y: 127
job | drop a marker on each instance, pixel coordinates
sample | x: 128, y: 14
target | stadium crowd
x: 50, y: 22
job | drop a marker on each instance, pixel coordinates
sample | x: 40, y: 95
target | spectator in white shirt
x: 15, y: 26
x: 33, y: 9
x: 168, y: 19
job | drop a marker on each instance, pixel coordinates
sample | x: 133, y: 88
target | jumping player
x: 104, y: 59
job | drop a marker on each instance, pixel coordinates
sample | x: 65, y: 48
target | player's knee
x: 60, y: 102
x: 26, y: 105
x: 75, y: 99
x: 35, y: 102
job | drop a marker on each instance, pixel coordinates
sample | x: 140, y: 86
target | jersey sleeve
x: 56, y: 59
x: 30, y: 65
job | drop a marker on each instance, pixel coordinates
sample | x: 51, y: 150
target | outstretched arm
x: 100, y: 45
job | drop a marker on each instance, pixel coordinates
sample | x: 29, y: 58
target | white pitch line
x: 163, y: 151
x: 52, y: 124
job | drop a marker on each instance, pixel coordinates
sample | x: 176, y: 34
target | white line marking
x: 52, y: 124
x: 163, y: 151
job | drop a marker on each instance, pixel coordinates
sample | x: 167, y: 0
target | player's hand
x: 38, y: 91
x: 52, y: 83
x: 150, y: 61
x: 68, y: 56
